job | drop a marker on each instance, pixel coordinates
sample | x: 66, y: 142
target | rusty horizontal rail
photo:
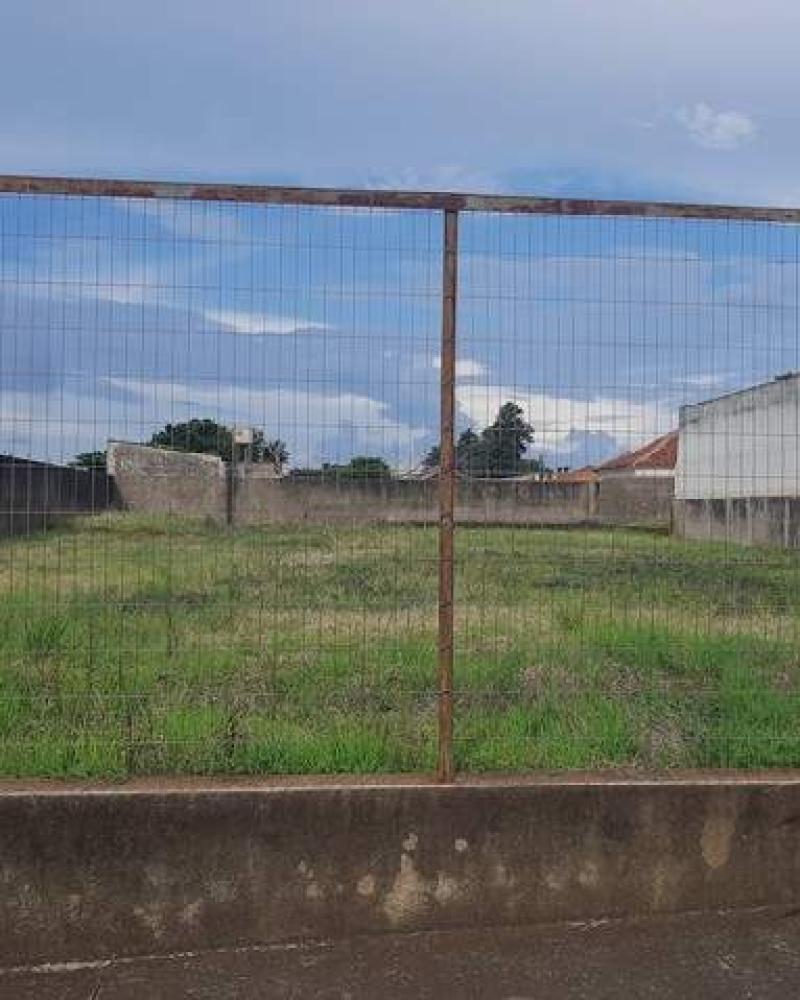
x: 388, y: 199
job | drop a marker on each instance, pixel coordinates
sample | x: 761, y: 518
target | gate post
x: 445, y: 771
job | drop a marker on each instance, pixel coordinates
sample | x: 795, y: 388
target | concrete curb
x: 113, y: 871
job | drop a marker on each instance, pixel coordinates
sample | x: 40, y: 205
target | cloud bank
x: 723, y: 130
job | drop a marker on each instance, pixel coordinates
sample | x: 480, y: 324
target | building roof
x: 661, y: 453
x: 586, y: 474
x: 778, y: 389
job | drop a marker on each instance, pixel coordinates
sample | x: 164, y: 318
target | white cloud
x: 466, y: 368
x: 262, y: 324
x: 716, y: 129
x: 317, y: 426
x: 55, y: 426
x: 556, y: 418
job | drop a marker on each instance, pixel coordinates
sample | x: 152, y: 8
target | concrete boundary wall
x: 773, y: 521
x: 37, y: 495
x: 408, y: 501
x: 625, y: 498
x: 156, y: 480
x: 91, y: 874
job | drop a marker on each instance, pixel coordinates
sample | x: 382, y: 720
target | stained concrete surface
x: 113, y: 872
x: 753, y: 954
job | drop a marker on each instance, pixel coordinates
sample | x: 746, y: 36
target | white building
x: 738, y: 469
x: 745, y: 444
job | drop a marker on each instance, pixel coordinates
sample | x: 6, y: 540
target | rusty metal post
x: 447, y: 475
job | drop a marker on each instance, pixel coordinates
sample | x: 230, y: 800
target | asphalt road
x: 726, y: 956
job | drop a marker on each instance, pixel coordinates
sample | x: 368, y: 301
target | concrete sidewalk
x: 728, y: 956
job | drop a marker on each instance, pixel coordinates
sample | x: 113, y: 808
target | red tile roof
x: 662, y: 453
x: 587, y: 474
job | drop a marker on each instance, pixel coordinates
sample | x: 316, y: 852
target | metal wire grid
x: 228, y: 615
x: 594, y: 633
x: 217, y: 613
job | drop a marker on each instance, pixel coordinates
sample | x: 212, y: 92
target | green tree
x: 204, y: 436
x: 506, y: 440
x: 211, y: 438
x: 359, y: 467
x: 273, y: 451
x: 533, y: 466
x: 432, y: 458
x: 470, y: 453
x: 94, y: 460
x: 497, y: 451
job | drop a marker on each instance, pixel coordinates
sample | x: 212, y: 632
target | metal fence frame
x: 450, y: 206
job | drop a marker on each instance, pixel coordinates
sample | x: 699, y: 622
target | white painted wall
x: 746, y: 444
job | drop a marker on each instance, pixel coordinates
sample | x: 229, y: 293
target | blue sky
x: 323, y: 327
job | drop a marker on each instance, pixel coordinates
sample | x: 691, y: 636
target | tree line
x: 498, y: 450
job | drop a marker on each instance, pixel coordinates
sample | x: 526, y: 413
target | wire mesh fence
x: 312, y: 481
x: 634, y: 625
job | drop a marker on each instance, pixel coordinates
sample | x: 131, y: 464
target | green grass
x: 134, y: 645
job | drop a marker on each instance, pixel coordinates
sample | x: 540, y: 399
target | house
x: 738, y: 474
x: 638, y: 486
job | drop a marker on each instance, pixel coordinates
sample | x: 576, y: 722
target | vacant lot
x: 141, y: 645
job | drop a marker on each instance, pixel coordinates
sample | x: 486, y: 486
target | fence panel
x: 616, y: 615
x: 335, y: 481
x: 234, y: 394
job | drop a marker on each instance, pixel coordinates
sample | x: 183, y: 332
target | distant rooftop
x: 661, y: 453
x: 586, y: 474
